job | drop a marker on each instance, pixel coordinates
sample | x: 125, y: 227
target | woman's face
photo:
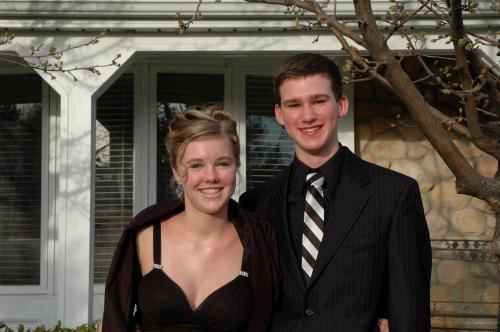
x: 209, y: 175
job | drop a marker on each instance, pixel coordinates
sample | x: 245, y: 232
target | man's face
x: 309, y: 112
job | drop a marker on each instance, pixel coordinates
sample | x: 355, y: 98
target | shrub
x: 57, y: 328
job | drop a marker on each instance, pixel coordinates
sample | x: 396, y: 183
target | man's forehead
x: 307, y: 95
x: 303, y: 77
x: 306, y: 85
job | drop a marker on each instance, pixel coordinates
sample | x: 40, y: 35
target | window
x: 175, y: 93
x: 269, y: 149
x: 114, y: 159
x: 20, y: 179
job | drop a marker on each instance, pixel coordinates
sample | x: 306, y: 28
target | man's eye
x: 224, y: 163
x: 320, y: 101
x: 293, y: 105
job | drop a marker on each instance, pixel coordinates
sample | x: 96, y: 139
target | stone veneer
x: 464, y: 275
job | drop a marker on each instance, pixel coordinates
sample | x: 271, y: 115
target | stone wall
x: 464, y: 291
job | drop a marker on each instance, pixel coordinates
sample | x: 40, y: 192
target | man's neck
x: 317, y: 160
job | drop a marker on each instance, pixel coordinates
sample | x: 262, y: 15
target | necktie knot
x: 315, y: 179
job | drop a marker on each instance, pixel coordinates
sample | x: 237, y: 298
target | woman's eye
x: 195, y: 165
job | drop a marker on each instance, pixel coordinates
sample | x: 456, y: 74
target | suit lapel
x: 276, y: 207
x: 350, y: 199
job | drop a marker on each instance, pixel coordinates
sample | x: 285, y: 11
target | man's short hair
x: 307, y: 64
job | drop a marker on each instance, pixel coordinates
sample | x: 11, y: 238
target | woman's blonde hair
x: 197, y: 123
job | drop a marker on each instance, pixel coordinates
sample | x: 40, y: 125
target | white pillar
x: 75, y: 218
x: 73, y: 277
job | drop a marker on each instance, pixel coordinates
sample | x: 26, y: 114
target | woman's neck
x: 203, y: 225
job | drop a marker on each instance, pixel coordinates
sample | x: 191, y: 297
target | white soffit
x: 141, y: 15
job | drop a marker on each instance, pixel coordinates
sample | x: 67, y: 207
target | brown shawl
x: 259, y: 243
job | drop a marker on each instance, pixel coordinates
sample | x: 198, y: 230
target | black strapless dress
x: 163, y: 306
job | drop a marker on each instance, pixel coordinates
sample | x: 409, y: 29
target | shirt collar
x: 330, y: 170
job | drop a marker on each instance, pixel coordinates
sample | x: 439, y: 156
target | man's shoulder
x: 273, y: 182
x: 253, y: 197
x: 356, y: 166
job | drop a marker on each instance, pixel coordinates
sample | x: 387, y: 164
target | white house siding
x: 234, y: 36
x: 224, y: 15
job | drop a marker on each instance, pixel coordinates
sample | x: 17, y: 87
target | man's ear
x: 343, y: 106
x: 278, y: 115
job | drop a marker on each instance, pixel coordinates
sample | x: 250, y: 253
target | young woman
x: 200, y: 263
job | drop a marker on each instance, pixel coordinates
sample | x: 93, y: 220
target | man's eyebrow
x: 293, y: 100
x: 321, y: 95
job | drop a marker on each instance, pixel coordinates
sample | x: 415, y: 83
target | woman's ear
x: 177, y: 186
x: 176, y: 176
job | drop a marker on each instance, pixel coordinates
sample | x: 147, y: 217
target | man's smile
x: 310, y: 130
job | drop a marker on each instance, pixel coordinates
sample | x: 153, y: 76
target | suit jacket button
x: 309, y: 312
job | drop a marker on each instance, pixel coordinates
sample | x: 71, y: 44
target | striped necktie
x: 314, y: 213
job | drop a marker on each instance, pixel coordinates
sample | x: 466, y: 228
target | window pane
x: 20, y: 179
x: 114, y: 161
x: 175, y: 93
x: 269, y: 149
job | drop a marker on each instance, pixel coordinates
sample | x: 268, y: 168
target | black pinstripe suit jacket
x: 375, y: 255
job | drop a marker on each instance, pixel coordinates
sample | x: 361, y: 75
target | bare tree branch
x: 461, y: 43
x: 436, y: 10
x: 491, y: 82
x: 183, y: 26
x: 412, y: 99
x: 489, y: 41
x: 426, y: 77
x: 50, y: 61
x: 313, y: 7
x: 397, y: 25
x: 449, y: 123
x: 435, y: 78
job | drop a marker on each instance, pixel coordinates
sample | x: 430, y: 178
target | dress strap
x: 157, y: 246
x: 244, y: 264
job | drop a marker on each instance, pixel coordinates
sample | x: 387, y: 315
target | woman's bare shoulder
x: 144, y: 244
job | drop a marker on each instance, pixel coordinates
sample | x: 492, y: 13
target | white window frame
x: 49, y: 167
x: 141, y: 136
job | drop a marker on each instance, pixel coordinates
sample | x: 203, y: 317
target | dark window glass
x: 20, y: 178
x: 175, y: 93
x: 114, y: 170
x: 269, y: 149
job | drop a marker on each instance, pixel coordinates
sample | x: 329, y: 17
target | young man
x: 353, y: 240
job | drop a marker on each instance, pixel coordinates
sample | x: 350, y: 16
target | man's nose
x: 308, y: 114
